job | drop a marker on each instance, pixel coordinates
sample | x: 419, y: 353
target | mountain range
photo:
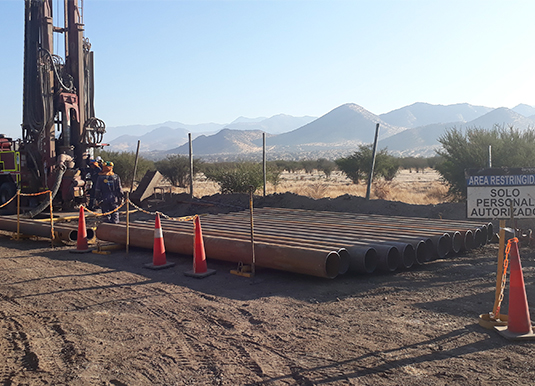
x: 412, y: 130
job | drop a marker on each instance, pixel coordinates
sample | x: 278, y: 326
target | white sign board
x: 494, y: 195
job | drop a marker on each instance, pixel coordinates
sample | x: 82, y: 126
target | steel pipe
x: 457, y: 241
x: 381, y: 221
x: 441, y: 245
x: 374, y: 230
x: 310, y: 235
x: 302, y: 238
x: 63, y: 232
x: 389, y: 257
x: 242, y: 234
x: 362, y: 259
x: 299, y: 260
x: 407, y: 255
x: 344, y: 261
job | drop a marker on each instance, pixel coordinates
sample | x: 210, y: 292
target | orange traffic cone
x: 199, y: 256
x: 81, y: 238
x: 519, y: 323
x: 158, y: 256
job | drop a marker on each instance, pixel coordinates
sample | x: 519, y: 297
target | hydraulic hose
x: 43, y: 205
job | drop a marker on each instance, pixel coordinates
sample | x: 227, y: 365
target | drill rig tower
x: 59, y: 127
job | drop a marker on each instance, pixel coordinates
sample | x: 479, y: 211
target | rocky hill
x: 226, y: 141
x: 423, y: 114
x: 346, y: 125
x: 410, y: 131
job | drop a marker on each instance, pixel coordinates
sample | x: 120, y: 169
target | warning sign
x: 494, y: 193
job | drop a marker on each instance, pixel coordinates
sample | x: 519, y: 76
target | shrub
x: 464, y: 150
x: 309, y: 166
x: 357, y: 166
x: 176, y: 169
x: 273, y: 175
x: 416, y: 163
x: 325, y: 166
x: 235, y: 177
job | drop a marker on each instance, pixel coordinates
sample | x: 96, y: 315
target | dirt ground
x: 90, y: 319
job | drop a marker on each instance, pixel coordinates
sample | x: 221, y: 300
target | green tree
x: 325, y: 166
x: 273, y: 175
x: 417, y: 163
x: 309, y: 166
x: 236, y: 177
x: 175, y: 168
x: 357, y: 166
x: 469, y: 149
x: 124, y: 164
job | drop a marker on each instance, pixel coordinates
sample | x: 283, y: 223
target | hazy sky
x: 213, y: 61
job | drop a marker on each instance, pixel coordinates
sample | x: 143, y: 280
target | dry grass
x: 413, y: 188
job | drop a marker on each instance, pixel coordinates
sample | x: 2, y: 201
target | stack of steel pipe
x: 317, y: 243
x: 316, y: 259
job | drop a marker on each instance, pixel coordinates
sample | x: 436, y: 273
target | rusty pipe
x: 398, y: 219
x: 406, y: 249
x: 439, y: 224
x: 299, y: 260
x: 241, y: 235
x: 263, y: 228
x: 377, y: 221
x: 37, y: 228
x: 332, y: 221
x: 394, y: 232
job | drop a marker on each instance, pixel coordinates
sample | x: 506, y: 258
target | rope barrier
x: 504, y: 274
x: 34, y: 194
x: 97, y: 214
x: 127, y: 201
x: 23, y: 194
x: 7, y: 202
x: 104, y: 214
x: 185, y: 218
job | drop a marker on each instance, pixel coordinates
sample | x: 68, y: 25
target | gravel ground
x: 90, y: 319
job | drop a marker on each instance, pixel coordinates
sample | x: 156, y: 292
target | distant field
x: 424, y: 187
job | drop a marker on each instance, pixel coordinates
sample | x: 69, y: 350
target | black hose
x: 43, y: 205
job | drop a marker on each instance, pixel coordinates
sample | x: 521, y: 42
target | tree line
x: 461, y: 149
x: 239, y: 176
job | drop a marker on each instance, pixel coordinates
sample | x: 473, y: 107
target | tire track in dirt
x: 24, y: 358
x: 10, y: 347
x: 220, y: 331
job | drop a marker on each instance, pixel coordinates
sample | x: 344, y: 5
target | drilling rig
x: 59, y: 128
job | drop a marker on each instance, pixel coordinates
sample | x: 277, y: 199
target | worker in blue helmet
x: 109, y: 192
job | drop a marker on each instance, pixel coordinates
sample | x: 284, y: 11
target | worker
x: 93, y: 170
x: 109, y: 192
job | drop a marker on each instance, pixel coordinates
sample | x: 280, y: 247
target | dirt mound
x: 177, y: 205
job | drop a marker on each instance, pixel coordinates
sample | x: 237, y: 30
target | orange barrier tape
x: 6, y: 203
x: 107, y: 213
x: 24, y: 194
x: 35, y: 194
